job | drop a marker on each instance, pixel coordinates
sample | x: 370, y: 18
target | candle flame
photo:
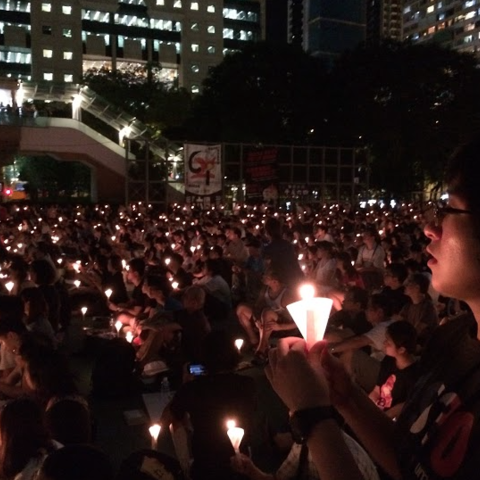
x: 231, y: 424
x: 155, y: 430
x: 307, y: 291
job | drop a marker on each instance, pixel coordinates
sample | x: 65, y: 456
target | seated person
x: 393, y: 281
x: 351, y: 318
x: 269, y: 313
x: 218, y: 302
x: 128, y: 311
x: 81, y: 462
x: 208, y: 401
x: 362, y: 366
x: 399, y: 369
x: 194, y: 322
x: 421, y: 312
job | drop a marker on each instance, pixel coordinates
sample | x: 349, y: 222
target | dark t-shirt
x: 397, y: 298
x: 357, y: 323
x: 212, y: 400
x: 438, y: 431
x: 283, y: 261
x: 395, y: 385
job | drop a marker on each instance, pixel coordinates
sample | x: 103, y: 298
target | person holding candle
x: 436, y: 434
x: 208, y: 402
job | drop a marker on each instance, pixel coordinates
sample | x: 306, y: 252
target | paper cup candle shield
x: 311, y: 315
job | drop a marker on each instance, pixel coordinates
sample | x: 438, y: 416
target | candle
x: 175, y: 285
x: 235, y: 434
x: 311, y: 315
x: 108, y: 293
x: 239, y: 344
x: 77, y: 283
x: 154, y: 432
x: 9, y: 286
x: 118, y: 326
x: 129, y: 337
x: 231, y: 424
x: 167, y: 261
x: 84, y: 311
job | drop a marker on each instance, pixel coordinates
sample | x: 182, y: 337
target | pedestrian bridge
x: 67, y: 140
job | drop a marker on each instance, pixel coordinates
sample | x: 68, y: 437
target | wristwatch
x: 303, y: 421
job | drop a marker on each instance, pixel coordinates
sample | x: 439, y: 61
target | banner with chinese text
x: 261, y: 174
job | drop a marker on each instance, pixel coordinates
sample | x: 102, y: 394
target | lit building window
x: 66, y: 9
x: 195, y: 27
x: 67, y: 32
x: 195, y: 89
x: 48, y: 76
x: 195, y: 68
x: 194, y: 6
x: 47, y: 53
x: 68, y: 78
x: 177, y: 4
x: 211, y: 8
x: 228, y: 33
x: 211, y: 49
x: 67, y: 55
x: 430, y: 9
x: 161, y: 2
x: 195, y: 47
x: 46, y: 7
x: 211, y: 29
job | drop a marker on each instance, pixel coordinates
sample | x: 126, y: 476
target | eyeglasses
x: 436, y: 213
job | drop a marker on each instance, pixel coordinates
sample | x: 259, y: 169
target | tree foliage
x: 409, y: 104
x: 139, y: 92
x: 53, y: 179
x: 263, y: 93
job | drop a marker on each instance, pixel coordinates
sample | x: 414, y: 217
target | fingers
x: 286, y: 344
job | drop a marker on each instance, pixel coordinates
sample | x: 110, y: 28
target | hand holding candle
x: 311, y: 315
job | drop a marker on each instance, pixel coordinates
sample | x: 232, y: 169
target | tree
x: 411, y: 104
x: 51, y: 178
x: 263, y: 93
x: 139, y: 92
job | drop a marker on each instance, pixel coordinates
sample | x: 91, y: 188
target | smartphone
x: 196, y: 369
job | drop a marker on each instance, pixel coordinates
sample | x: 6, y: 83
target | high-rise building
x: 58, y: 40
x: 384, y: 20
x: 454, y: 23
x: 326, y: 28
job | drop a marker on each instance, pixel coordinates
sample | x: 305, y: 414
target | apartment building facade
x: 58, y: 40
x: 453, y: 23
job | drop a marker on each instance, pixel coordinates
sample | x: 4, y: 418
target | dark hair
x: 11, y: 306
x: 273, y: 227
x: 213, y: 266
x: 159, y: 283
x: 44, y: 272
x: 176, y: 257
x: 78, y: 462
x: 378, y: 300
x: 219, y: 352
x: 23, y: 435
x: 68, y: 422
x: 358, y: 295
x: 116, y: 262
x: 20, y: 266
x: 48, y: 369
x: 463, y: 171
x: 398, y: 271
x: 38, y: 304
x: 403, y: 334
x: 324, y: 245
x: 137, y: 265
x: 420, y: 280
x: 218, y: 250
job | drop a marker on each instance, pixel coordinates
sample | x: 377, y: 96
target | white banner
x: 203, y: 169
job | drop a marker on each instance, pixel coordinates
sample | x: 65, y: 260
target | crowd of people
x: 388, y: 394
